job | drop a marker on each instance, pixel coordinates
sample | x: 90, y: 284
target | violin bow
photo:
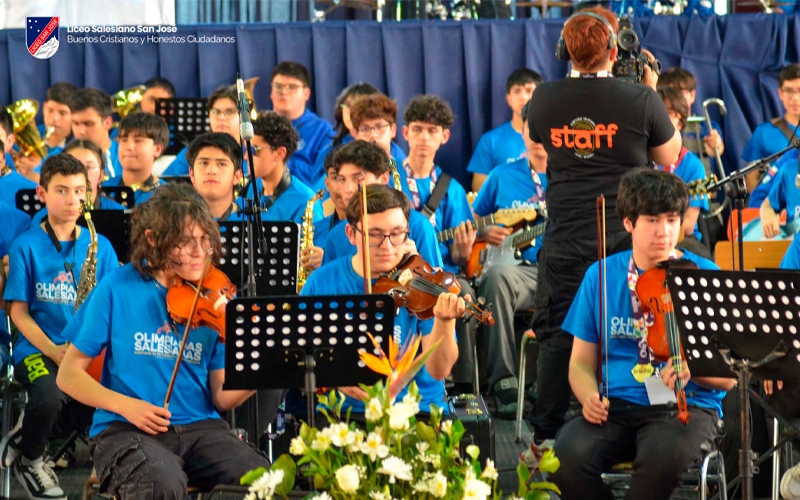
x: 602, y: 289
x: 362, y: 188
x: 186, y: 332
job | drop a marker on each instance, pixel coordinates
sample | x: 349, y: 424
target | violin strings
x: 433, y: 288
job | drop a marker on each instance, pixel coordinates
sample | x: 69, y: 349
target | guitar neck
x: 479, y: 223
x: 528, y: 235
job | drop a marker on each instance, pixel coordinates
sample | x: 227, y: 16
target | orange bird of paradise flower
x: 402, y: 363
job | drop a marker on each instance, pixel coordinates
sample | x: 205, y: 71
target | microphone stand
x: 736, y: 189
x: 252, y: 210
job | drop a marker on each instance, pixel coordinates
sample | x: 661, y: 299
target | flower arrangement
x: 395, y: 456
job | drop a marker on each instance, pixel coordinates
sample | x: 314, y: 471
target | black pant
x: 661, y: 447
x: 49, y: 412
x: 132, y: 465
x: 561, y: 270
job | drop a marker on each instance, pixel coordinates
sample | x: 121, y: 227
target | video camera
x: 630, y: 63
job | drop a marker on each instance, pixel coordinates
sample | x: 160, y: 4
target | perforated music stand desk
x: 123, y: 195
x: 28, y: 202
x: 275, y: 273
x: 287, y: 342
x: 742, y: 323
x: 186, y: 118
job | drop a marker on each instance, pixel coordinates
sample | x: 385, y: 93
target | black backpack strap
x: 436, y: 196
x: 780, y: 124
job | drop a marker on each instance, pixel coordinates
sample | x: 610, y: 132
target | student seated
x: 784, y: 194
x: 155, y: 88
x: 45, y: 265
x: 291, y: 89
x: 215, y: 161
x: 504, y: 144
x: 773, y: 135
x: 172, y: 237
x: 15, y: 222
x: 142, y: 139
x: 11, y: 181
x: 91, y: 121
x: 627, y: 420
x: 389, y: 240
x: 366, y: 163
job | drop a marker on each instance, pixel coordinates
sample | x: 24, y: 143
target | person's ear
x: 445, y: 135
x: 351, y: 234
x: 41, y: 193
x: 628, y: 224
x: 148, y: 233
x: 107, y: 122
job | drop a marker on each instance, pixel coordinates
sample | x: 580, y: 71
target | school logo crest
x: 41, y: 36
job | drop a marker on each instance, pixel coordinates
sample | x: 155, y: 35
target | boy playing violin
x: 634, y: 418
x: 139, y: 448
x: 387, y: 216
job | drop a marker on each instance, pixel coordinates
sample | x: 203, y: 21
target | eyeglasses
x: 92, y: 166
x: 194, y: 246
x: 229, y: 113
x: 376, y: 240
x: 287, y: 87
x: 377, y: 128
x: 791, y: 92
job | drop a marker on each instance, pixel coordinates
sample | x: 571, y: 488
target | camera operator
x: 595, y: 128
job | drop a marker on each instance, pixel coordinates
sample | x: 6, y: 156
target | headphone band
x: 612, y: 36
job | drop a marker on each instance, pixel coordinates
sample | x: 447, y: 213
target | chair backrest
x: 757, y: 254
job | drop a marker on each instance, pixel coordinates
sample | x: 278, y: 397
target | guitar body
x: 484, y: 256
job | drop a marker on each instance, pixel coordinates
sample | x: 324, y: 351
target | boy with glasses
x: 291, y: 89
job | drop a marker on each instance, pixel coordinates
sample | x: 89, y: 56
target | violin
x: 215, y: 291
x: 414, y: 285
x: 662, y: 336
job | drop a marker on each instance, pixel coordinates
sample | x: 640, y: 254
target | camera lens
x: 627, y: 40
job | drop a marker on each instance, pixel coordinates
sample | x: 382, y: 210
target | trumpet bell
x: 125, y: 101
x: 27, y: 136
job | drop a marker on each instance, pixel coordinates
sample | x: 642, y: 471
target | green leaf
x: 549, y: 462
x: 537, y: 495
x: 473, y: 451
x: 544, y: 485
x: 304, y: 431
x: 425, y: 432
x: 436, y: 416
x: 251, y: 476
x: 319, y: 482
x: 457, y: 432
x: 289, y: 468
x: 523, y: 474
x: 304, y: 460
x: 331, y: 420
x: 323, y: 400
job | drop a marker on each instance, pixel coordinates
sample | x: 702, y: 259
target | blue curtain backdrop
x: 735, y: 57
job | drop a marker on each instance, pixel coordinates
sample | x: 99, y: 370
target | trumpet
x: 127, y: 100
x: 23, y: 113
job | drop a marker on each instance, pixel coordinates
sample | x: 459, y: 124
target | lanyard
x: 540, y: 193
x: 671, y: 168
x: 416, y: 201
x: 228, y: 212
x: 68, y: 266
x: 641, y: 319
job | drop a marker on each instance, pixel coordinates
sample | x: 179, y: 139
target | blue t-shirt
x: 141, y: 346
x: 792, y: 258
x: 180, y: 165
x: 315, y: 133
x: 339, y: 278
x: 113, y: 166
x: 761, y: 192
x: 452, y: 211
x: 691, y: 137
x: 582, y: 321
x: 37, y: 275
x: 511, y: 185
x: 783, y: 193
x: 496, y: 147
x: 420, y: 231
x: 766, y: 140
x: 139, y: 196
x: 322, y: 229
x: 691, y: 169
x: 105, y: 204
x: 15, y: 222
x: 10, y: 184
x: 291, y: 204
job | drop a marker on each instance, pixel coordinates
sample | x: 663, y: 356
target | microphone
x: 245, y: 126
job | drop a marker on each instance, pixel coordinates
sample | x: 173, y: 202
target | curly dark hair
x: 92, y: 98
x: 166, y: 214
x: 648, y: 191
x: 277, y: 131
x: 64, y: 164
x: 429, y: 109
x: 146, y: 125
x: 365, y: 155
x: 380, y: 198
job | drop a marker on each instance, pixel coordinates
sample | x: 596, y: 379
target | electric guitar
x: 508, y: 217
x: 484, y: 256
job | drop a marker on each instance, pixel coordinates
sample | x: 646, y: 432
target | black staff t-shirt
x: 594, y: 131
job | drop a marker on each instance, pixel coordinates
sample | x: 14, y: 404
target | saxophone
x: 395, y: 174
x: 88, y: 278
x: 307, y: 236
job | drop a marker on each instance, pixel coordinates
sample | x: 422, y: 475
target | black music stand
x: 121, y: 194
x: 276, y: 273
x: 28, y: 202
x: 287, y: 342
x: 741, y: 323
x: 186, y: 117
x: 115, y: 225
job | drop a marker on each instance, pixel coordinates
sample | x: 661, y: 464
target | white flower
x: 395, y: 468
x: 374, y: 447
x: 374, y: 410
x: 250, y: 496
x: 411, y: 403
x: 323, y: 440
x: 323, y: 496
x: 264, y: 487
x: 447, y: 427
x: 339, y: 434
x: 421, y: 487
x: 490, y: 472
x: 399, y: 415
x: 347, y: 478
x: 357, y: 441
x: 475, y: 489
x: 437, y: 486
x: 422, y: 447
x: 298, y: 446
x: 379, y: 495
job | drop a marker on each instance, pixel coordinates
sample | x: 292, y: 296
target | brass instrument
x: 249, y: 85
x: 307, y: 236
x: 88, y: 279
x: 395, y: 174
x: 125, y: 101
x: 26, y: 134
